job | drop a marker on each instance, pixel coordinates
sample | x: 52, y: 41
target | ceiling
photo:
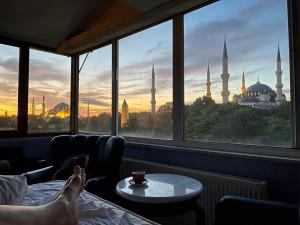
x: 70, y: 25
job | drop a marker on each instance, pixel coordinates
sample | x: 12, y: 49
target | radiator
x: 215, y: 185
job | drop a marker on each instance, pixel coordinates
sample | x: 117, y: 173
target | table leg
x: 200, y: 215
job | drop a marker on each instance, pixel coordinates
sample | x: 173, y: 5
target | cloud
x: 40, y: 70
x: 161, y: 45
x: 10, y: 64
x: 134, y: 92
x: 94, y: 102
x: 257, y: 8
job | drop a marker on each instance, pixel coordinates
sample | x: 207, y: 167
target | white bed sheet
x: 92, y: 210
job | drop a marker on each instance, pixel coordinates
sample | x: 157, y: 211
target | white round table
x: 160, y: 188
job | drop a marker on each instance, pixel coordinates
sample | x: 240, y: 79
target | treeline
x: 52, y: 124
x: 205, y: 120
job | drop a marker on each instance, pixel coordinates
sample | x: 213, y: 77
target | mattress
x: 92, y: 209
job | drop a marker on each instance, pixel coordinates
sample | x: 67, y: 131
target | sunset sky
x: 252, y: 29
x: 49, y: 76
x: 95, y: 81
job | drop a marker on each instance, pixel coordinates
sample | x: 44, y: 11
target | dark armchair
x: 103, y: 157
x: 233, y: 210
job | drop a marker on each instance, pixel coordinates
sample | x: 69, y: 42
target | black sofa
x: 233, y: 210
x: 104, y: 154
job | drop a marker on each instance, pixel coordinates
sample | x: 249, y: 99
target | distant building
x: 43, y: 108
x: 61, y: 110
x: 153, y: 91
x: 261, y: 95
x: 225, y: 75
x: 124, y: 114
x: 88, y: 112
x: 208, y: 83
x: 257, y: 95
x: 33, y: 107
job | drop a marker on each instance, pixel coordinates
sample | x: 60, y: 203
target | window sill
x: 286, y: 155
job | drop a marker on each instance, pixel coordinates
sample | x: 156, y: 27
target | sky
x: 95, y: 82
x: 49, y: 76
x: 252, y: 29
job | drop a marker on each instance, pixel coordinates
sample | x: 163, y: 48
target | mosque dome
x: 61, y: 110
x: 259, y: 88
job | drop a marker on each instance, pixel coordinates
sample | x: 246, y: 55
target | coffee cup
x: 138, y: 176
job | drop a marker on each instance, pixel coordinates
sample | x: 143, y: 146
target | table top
x: 160, y: 188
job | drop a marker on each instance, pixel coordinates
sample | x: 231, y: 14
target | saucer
x: 144, y: 182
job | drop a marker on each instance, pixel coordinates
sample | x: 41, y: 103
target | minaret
x: 278, y: 72
x: 225, y: 75
x: 208, y: 83
x: 124, y: 114
x: 243, y: 84
x: 153, y: 90
x: 33, y: 107
x: 43, y: 108
x: 88, y: 111
x: 6, y: 114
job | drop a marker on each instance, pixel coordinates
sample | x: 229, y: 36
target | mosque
x: 257, y: 95
x: 61, y: 110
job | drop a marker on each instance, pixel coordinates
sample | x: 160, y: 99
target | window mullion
x: 23, y: 90
x: 115, y: 86
x: 74, y: 93
x: 178, y: 79
x: 295, y: 68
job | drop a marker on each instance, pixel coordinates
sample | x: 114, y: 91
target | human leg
x: 61, y: 211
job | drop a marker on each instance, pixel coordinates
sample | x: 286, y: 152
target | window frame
x: 72, y: 92
x: 251, y: 149
x: 178, y: 142
x: 248, y: 150
x: 23, y: 88
x: 113, y: 87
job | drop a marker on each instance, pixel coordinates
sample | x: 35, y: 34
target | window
x: 95, y: 91
x: 237, y: 76
x: 145, y: 83
x: 9, y: 75
x: 49, y: 92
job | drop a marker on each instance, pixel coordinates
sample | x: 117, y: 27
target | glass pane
x: 237, y: 75
x: 145, y: 83
x: 49, y: 92
x: 95, y: 91
x: 9, y: 75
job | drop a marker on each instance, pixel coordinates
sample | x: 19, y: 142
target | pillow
x: 13, y: 189
x: 67, y: 167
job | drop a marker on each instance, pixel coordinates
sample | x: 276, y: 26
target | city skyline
x: 253, y: 30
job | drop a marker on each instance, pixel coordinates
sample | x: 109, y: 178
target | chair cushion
x: 68, y: 165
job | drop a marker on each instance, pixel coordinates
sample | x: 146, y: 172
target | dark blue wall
x: 32, y: 147
x: 283, y: 177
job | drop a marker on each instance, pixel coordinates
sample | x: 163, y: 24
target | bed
x: 93, y: 210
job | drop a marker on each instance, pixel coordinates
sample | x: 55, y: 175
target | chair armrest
x: 40, y: 175
x: 233, y: 210
x: 103, y: 186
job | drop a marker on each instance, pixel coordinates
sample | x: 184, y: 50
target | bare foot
x: 74, y: 185
x: 64, y: 206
